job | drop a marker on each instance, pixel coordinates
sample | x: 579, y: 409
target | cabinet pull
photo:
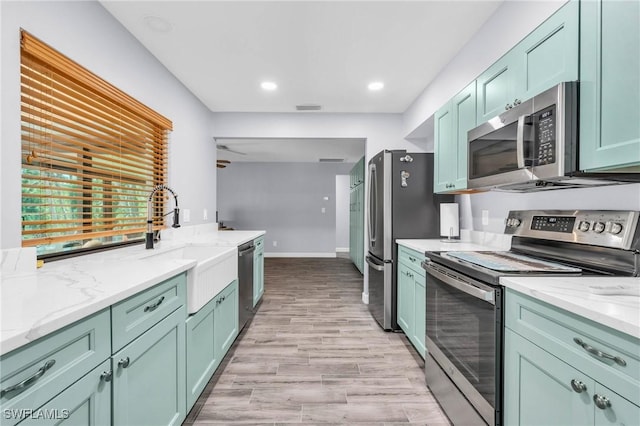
x: 516, y: 102
x: 413, y: 259
x: 106, y: 376
x: 124, y: 362
x: 597, y: 352
x: 29, y: 380
x: 602, y: 402
x: 150, y: 308
x: 578, y: 386
x: 508, y: 106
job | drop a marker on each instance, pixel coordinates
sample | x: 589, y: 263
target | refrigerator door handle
x: 372, y: 204
x: 374, y: 265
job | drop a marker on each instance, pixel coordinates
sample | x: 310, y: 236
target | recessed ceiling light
x: 157, y: 24
x: 376, y: 85
x: 268, y: 85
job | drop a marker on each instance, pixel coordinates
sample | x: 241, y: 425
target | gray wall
x: 284, y: 199
x: 343, y: 199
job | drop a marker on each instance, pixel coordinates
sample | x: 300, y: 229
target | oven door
x: 464, y: 329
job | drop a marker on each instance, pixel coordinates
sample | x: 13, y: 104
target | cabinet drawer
x: 52, y: 363
x: 575, y: 338
x: 411, y: 258
x: 134, y: 316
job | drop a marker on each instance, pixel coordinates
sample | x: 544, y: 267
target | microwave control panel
x: 545, y: 135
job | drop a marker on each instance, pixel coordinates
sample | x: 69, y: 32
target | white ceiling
x: 290, y: 149
x: 318, y: 52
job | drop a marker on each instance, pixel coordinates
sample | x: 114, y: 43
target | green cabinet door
x: 420, y: 314
x: 258, y: 270
x: 405, y: 299
x: 87, y: 402
x: 356, y: 215
x: 463, y: 107
x: 538, y: 387
x: 202, y: 359
x: 549, y: 54
x: 226, y: 319
x: 612, y: 409
x: 610, y: 85
x: 444, y: 147
x: 496, y: 88
x: 149, y: 376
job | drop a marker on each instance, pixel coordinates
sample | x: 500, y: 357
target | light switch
x: 326, y: 198
x: 323, y: 210
x: 205, y: 214
x: 485, y: 217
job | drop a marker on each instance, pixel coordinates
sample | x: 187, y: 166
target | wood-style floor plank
x: 313, y: 355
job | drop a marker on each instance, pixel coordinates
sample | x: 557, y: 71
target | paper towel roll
x: 449, y: 220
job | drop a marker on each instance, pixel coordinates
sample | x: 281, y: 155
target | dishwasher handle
x: 246, y: 251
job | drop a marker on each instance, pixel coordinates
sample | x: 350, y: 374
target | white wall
x: 511, y: 22
x: 89, y: 35
x: 343, y: 199
x: 617, y: 197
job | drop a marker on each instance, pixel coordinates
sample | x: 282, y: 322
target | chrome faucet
x: 176, y: 214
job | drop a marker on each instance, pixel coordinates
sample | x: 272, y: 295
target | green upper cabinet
x: 547, y: 56
x: 496, y: 89
x: 443, y: 147
x: 452, y: 122
x: 610, y: 85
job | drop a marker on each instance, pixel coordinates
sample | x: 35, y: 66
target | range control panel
x: 606, y: 228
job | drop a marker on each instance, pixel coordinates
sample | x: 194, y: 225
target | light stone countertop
x: 36, y: 302
x: 580, y: 296
x: 437, y: 245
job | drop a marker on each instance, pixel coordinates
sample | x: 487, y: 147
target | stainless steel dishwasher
x: 245, y: 283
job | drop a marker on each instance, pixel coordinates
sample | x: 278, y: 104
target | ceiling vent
x: 308, y: 107
x: 331, y: 160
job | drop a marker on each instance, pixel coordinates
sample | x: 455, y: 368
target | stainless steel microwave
x: 531, y: 144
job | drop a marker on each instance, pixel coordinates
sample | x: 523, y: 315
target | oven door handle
x: 478, y: 293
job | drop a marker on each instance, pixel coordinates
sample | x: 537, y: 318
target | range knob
x: 616, y: 228
x: 598, y: 227
x: 513, y: 222
x: 584, y: 226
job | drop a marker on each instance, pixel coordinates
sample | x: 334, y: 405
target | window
x: 91, y: 155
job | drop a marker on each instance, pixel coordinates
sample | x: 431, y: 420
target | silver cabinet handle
x: 602, y: 402
x: 597, y: 352
x: 106, y: 376
x: 150, y: 308
x: 29, y: 380
x: 124, y: 362
x: 508, y: 106
x: 516, y: 102
x: 578, y: 386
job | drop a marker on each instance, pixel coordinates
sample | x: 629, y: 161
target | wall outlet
x: 323, y: 210
x: 186, y: 215
x: 205, y: 214
x: 485, y: 217
x: 275, y: 243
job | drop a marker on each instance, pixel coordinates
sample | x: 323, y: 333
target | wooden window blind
x: 91, y: 154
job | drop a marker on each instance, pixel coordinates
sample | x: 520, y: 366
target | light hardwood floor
x: 314, y: 355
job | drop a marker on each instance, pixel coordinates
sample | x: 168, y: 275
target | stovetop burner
x: 510, y: 262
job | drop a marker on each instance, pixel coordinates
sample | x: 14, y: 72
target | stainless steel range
x: 464, y: 323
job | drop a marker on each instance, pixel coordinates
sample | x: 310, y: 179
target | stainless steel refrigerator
x: 401, y: 204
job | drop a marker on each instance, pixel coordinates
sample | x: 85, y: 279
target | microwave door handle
x: 520, y: 141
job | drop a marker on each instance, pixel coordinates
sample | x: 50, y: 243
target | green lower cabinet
x: 87, y: 402
x: 610, y: 85
x: 202, y: 359
x: 617, y: 411
x: 258, y: 270
x: 411, y: 298
x: 405, y: 299
x: 225, y: 319
x: 420, y: 315
x: 538, y: 390
x: 149, y: 376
